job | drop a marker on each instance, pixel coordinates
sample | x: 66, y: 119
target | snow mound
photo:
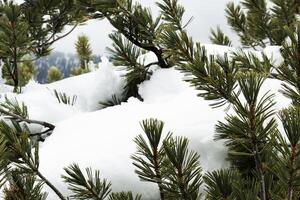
x: 104, y: 139
x: 89, y: 89
x: 92, y: 88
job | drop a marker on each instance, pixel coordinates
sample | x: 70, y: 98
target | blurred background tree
x: 29, y: 29
x: 84, y: 51
x: 259, y: 23
x: 54, y: 74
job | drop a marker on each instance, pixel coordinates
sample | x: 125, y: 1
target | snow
x: 90, y: 89
x: 103, y: 138
x: 273, y: 53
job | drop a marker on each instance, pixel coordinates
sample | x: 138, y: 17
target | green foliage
x: 20, y: 162
x: 14, y: 107
x: 167, y: 162
x: 26, y: 72
x: 289, y: 71
x: 47, y: 20
x: 229, y: 184
x: 264, y: 163
x: 19, y: 169
x: 236, y: 19
x: 150, y: 156
x: 17, y: 113
x: 172, y: 13
x: 14, y: 40
x: 21, y: 156
x: 84, y: 51
x: 139, y: 32
x: 139, y: 26
x: 214, y: 77
x: 251, y: 132
x: 64, y: 98
x: 249, y: 190
x: 287, y: 159
x: 83, y: 188
x: 249, y: 62
x: 23, y: 153
x: 22, y: 186
x: 24, y: 31
x: 218, y: 37
x: 126, y: 54
x: 100, y: 4
x: 220, y: 184
x: 78, y: 71
x: 289, y: 118
x: 115, y: 100
x: 259, y: 24
x: 284, y: 14
x: 184, y: 176
x: 124, y: 196
x: 53, y: 74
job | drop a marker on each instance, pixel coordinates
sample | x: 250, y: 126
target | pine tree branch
x: 258, y: 164
x: 48, y: 183
x: 28, y: 60
x: 150, y: 156
x: 150, y: 64
x: 294, y: 153
x: 23, y: 152
x: 157, y: 51
x: 29, y: 121
x: 52, y: 38
x: 40, y: 134
x: 90, y: 187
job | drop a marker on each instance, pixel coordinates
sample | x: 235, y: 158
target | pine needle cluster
x: 258, y: 154
x: 264, y: 159
x: 28, y: 30
x: 138, y: 32
x: 259, y: 23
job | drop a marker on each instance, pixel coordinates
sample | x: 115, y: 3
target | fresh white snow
x: 103, y: 138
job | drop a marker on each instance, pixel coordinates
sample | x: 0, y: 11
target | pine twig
x: 30, y: 121
x: 49, y: 184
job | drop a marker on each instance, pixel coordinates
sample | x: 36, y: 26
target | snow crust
x: 103, y: 138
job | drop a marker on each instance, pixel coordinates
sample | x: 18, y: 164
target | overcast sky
x: 206, y: 13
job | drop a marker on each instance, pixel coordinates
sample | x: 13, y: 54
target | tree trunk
x: 15, y: 71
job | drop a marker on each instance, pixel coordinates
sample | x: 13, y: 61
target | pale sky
x: 206, y: 14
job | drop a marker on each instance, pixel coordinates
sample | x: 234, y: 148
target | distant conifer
x: 84, y: 51
x: 53, y: 74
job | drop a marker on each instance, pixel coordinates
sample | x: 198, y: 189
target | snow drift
x: 103, y: 139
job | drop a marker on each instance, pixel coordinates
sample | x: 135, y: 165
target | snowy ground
x: 103, y: 138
